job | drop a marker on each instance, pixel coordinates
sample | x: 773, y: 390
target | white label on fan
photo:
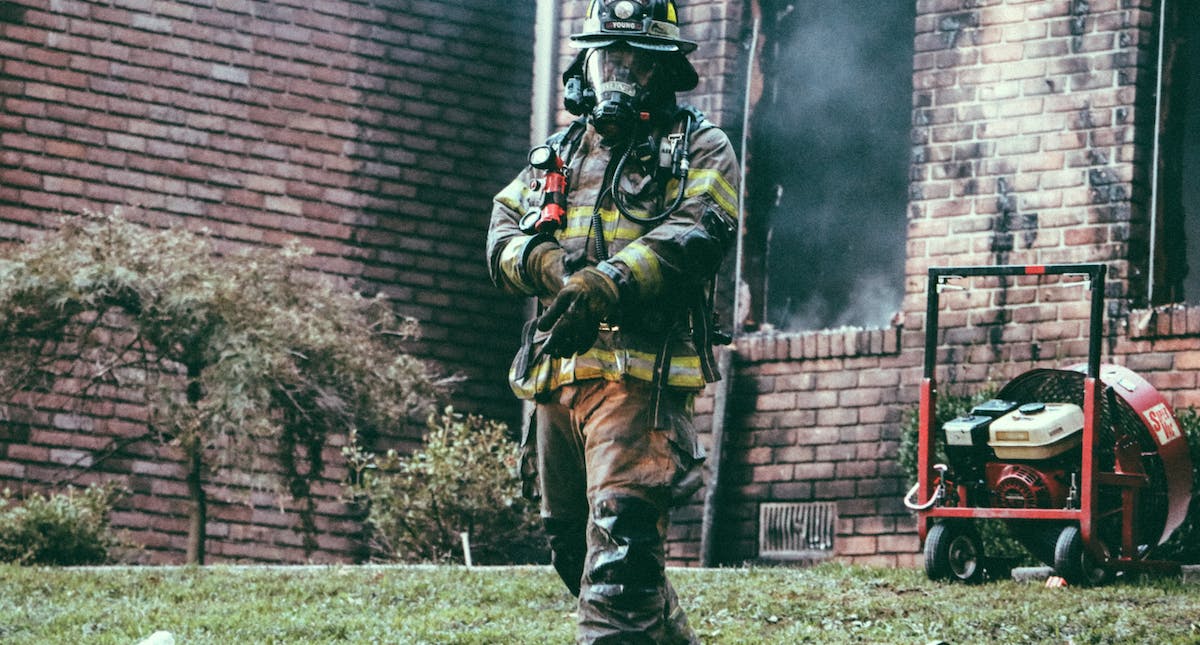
x: 1162, y: 423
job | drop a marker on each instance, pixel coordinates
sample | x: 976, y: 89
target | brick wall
x: 1033, y: 133
x: 376, y: 133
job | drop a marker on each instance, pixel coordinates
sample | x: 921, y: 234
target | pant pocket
x: 528, y: 464
x: 688, y: 456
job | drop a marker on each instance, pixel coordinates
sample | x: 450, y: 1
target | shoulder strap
x: 568, y: 136
x: 685, y: 109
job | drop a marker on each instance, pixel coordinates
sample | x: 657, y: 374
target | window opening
x: 1175, y: 264
x: 829, y: 153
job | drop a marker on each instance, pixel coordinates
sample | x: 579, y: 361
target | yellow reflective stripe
x: 644, y: 264
x: 510, y: 264
x: 685, y: 370
x: 612, y: 365
x: 537, y: 380
x: 712, y: 182
x: 579, y: 222
x: 513, y: 195
x: 592, y: 364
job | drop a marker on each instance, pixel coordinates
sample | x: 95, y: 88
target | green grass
x: 827, y: 604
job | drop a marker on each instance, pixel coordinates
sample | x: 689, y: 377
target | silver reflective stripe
x: 644, y: 264
x: 510, y: 265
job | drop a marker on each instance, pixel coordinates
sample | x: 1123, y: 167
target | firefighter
x: 618, y: 227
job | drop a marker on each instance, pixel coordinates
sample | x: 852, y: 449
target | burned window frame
x: 762, y: 196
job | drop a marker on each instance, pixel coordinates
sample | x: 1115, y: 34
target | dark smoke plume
x: 829, y: 160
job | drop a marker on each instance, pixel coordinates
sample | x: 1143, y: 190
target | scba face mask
x: 623, y: 80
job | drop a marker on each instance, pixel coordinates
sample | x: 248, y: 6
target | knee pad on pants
x: 629, y: 559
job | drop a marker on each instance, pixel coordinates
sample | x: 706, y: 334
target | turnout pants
x: 608, y: 480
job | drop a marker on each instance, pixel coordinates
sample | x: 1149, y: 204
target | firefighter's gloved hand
x: 546, y: 267
x: 573, y: 319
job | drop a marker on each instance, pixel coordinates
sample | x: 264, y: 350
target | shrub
x: 61, y: 530
x: 247, y: 360
x: 464, y: 479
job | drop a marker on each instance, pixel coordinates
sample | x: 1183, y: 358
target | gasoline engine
x: 1017, y: 456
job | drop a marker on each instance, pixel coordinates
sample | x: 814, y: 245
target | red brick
x: 873, y: 526
x: 898, y: 544
x: 813, y: 471
x: 776, y: 401
x: 856, y: 469
x: 856, y: 545
x: 773, y: 473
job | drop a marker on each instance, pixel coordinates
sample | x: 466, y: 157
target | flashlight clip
x: 551, y: 215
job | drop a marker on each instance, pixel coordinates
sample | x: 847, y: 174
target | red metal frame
x: 1088, y: 512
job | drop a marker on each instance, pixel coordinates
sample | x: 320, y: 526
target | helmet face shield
x: 623, y: 80
x: 649, y: 25
x: 620, y: 69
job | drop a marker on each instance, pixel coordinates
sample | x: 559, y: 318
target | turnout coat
x: 664, y: 269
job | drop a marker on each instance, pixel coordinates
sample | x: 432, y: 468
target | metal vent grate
x: 796, y: 531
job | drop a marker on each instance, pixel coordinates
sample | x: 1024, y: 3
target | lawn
x: 826, y: 604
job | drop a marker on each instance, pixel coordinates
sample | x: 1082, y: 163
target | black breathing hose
x: 680, y: 172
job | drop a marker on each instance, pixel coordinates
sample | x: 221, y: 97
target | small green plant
x: 464, y: 479
x: 61, y: 529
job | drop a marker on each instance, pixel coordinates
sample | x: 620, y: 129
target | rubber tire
x: 954, y: 552
x: 1074, y: 563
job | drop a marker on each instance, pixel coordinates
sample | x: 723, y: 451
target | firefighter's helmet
x: 651, y: 25
x: 646, y: 24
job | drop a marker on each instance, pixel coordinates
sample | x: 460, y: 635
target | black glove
x: 546, y: 267
x: 574, y: 318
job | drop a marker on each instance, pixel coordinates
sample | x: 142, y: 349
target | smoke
x: 829, y: 159
x: 875, y: 304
